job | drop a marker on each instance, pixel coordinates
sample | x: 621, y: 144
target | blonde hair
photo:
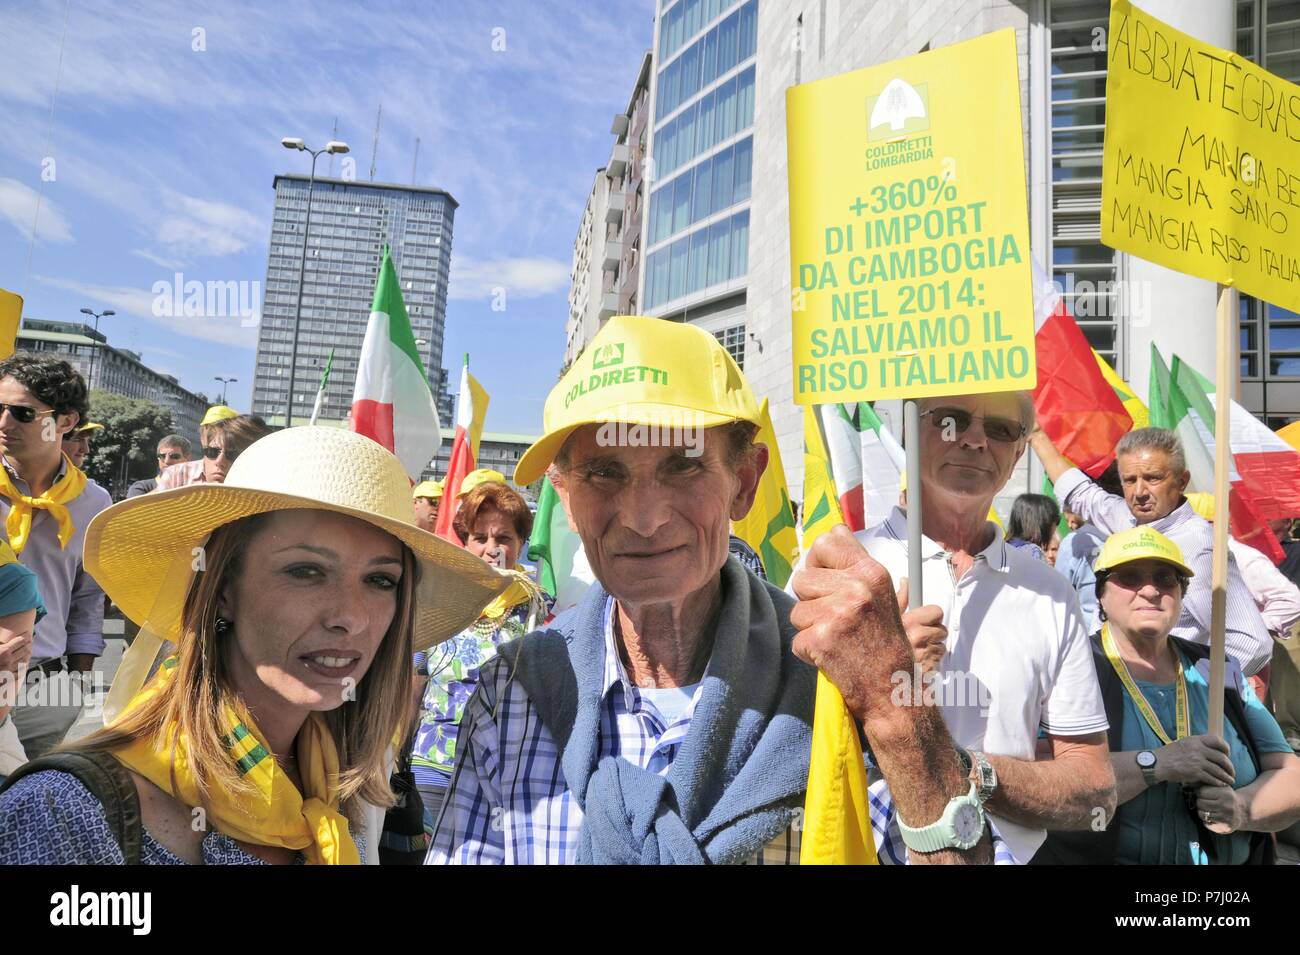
x: 201, y: 689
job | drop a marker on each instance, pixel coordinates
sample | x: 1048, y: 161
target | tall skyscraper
x: 350, y: 223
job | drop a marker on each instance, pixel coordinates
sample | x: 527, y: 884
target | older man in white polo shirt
x: 1017, y: 657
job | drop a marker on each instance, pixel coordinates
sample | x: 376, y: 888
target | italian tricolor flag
x: 471, y: 409
x: 1264, y: 470
x: 392, y: 403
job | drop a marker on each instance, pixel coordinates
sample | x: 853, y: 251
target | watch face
x: 967, y: 824
x: 1146, y: 759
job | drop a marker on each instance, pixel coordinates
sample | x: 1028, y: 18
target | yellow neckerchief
x: 22, y: 508
x: 1140, y: 701
x: 276, y: 814
x: 522, y: 589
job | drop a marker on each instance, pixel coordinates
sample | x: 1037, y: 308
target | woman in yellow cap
x: 291, y: 598
x: 1184, y: 797
x: 493, y: 521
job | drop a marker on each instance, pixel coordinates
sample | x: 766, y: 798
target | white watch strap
x: 941, y: 834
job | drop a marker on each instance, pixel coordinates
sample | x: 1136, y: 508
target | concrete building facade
x: 116, y: 370
x: 606, y: 272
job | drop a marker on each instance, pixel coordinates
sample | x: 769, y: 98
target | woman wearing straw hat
x: 294, y: 595
x: 1185, y: 797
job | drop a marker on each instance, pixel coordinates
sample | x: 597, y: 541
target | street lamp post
x: 333, y: 146
x: 94, y: 347
x: 224, y: 382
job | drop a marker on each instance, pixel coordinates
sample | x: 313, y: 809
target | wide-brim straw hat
x: 135, y: 548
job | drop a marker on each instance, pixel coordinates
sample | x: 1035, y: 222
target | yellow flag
x: 836, y: 825
x: 769, y: 526
x: 1132, y: 403
x: 479, y: 403
x: 11, y: 313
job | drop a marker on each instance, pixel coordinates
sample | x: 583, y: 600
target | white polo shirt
x: 1018, y: 655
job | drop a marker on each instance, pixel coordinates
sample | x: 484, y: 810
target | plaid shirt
x: 509, y: 801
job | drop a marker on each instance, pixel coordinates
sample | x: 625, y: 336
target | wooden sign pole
x: 1223, y: 378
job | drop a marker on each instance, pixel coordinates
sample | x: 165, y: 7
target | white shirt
x: 1018, y: 652
x: 1276, y: 597
x: 1246, y: 638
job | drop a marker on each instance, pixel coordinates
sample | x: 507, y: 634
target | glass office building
x: 350, y: 223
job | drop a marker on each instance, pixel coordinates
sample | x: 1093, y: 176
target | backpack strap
x: 108, y: 781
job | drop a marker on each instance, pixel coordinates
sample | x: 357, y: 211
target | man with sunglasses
x: 222, y: 442
x: 1153, y: 476
x: 47, y: 505
x: 1016, y: 657
x: 173, y: 449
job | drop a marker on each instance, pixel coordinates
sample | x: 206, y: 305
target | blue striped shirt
x: 510, y: 803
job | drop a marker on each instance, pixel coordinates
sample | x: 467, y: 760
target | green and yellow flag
x: 769, y: 526
x: 836, y: 825
x: 1132, y: 403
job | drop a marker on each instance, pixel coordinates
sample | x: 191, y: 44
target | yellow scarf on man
x: 276, y: 814
x: 23, y: 508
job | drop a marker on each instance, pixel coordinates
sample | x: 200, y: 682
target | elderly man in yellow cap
x: 667, y: 718
x: 426, y: 496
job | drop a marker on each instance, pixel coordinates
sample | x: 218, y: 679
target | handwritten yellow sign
x: 909, y: 232
x: 1201, y: 168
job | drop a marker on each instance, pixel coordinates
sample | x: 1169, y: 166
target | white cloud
x: 194, y: 226
x: 158, y: 259
x: 139, y: 302
x: 521, y: 277
x: 18, y: 204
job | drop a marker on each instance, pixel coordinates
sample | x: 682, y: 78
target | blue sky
x: 159, y: 157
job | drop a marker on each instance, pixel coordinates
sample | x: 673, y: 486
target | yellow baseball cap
x: 1202, y: 503
x: 431, y: 489
x: 218, y: 413
x: 88, y: 426
x: 480, y: 476
x: 645, y: 371
x: 1139, y: 543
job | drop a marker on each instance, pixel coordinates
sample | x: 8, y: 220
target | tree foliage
x: 132, y: 429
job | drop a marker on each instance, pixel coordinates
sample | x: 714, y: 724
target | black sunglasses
x: 22, y: 413
x: 1131, y: 578
x: 213, y: 453
x: 170, y: 456
x: 1005, y: 430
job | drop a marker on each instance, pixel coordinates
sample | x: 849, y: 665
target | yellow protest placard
x: 909, y: 231
x: 1201, y: 167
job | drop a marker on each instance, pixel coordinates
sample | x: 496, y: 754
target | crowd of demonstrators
x: 1185, y: 797
x: 667, y: 717
x: 47, y: 505
x: 221, y: 442
x: 1153, y: 476
x: 426, y: 496
x: 172, y: 449
x: 493, y: 521
x: 1010, y: 653
x: 1032, y: 526
x: 291, y: 669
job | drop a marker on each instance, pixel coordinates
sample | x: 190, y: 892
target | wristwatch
x: 1146, y: 760
x: 986, y: 777
x: 976, y: 767
x: 960, y: 826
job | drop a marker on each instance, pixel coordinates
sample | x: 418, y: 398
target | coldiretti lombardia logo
x: 900, y: 110
x: 608, y: 355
